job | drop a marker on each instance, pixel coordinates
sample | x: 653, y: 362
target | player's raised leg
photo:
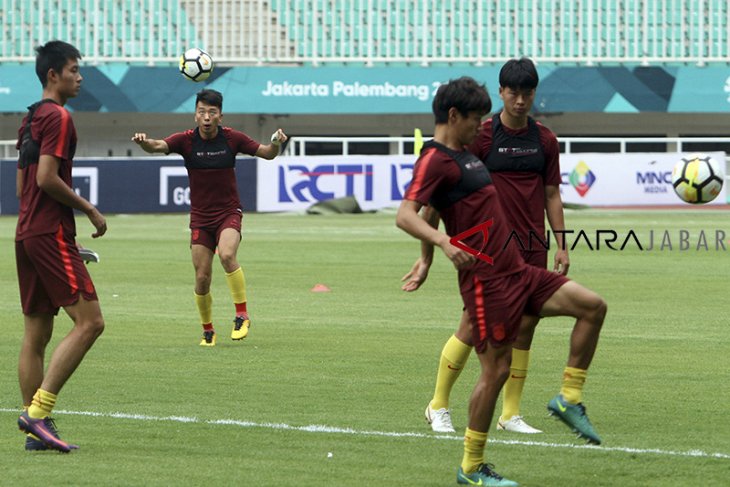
x: 589, y: 309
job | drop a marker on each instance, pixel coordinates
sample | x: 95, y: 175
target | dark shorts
x: 51, y: 274
x: 208, y: 236
x: 496, y: 306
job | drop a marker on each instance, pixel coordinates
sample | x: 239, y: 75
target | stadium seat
x: 678, y: 31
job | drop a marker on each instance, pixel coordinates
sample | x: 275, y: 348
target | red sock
x: 240, y: 309
x: 207, y: 326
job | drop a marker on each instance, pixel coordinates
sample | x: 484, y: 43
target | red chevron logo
x: 482, y: 228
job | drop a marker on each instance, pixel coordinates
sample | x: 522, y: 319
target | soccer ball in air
x: 697, y: 178
x: 196, y: 64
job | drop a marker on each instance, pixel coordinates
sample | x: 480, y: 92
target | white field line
x: 316, y: 428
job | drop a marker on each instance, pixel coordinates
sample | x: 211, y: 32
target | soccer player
x: 51, y: 274
x: 523, y: 158
x: 496, y: 285
x: 210, y: 152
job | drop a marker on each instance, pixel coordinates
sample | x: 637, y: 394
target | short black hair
x: 210, y: 97
x: 53, y: 55
x: 464, y: 94
x: 519, y: 74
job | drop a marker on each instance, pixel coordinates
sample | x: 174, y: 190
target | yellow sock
x: 205, y: 307
x: 453, y: 358
x: 573, y: 380
x: 237, y: 284
x: 474, y: 442
x: 515, y: 383
x: 42, y: 405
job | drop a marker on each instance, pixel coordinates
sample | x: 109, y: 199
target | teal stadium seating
x: 117, y: 29
x: 600, y: 31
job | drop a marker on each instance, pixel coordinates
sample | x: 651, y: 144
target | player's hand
x: 416, y: 276
x: 139, y: 138
x: 458, y: 257
x: 99, y: 222
x: 278, y: 137
x: 562, y: 262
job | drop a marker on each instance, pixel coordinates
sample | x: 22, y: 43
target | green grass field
x: 329, y: 388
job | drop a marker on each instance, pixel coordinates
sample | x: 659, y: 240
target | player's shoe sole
x: 241, y: 324
x: 44, y: 430
x: 575, y: 417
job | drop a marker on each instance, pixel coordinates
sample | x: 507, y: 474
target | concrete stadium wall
x: 109, y: 134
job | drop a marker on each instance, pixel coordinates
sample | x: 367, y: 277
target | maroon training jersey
x: 39, y: 213
x: 521, y: 184
x: 211, y: 170
x: 437, y: 173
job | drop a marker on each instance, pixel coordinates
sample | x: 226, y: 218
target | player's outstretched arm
x: 150, y: 145
x: 269, y: 151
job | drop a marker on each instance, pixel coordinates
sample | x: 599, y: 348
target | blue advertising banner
x: 125, y: 185
x: 377, y: 90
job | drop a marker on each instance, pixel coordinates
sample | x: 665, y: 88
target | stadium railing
x: 619, y: 145
x: 239, y: 32
x: 398, y: 145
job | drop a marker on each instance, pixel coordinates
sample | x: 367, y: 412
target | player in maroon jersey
x: 51, y: 273
x: 522, y: 156
x: 496, y: 285
x: 210, y: 152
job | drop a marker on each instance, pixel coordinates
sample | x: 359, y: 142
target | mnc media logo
x: 582, y: 178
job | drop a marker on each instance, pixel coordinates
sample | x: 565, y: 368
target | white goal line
x: 316, y: 428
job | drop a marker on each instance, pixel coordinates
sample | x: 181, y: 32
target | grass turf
x: 361, y: 359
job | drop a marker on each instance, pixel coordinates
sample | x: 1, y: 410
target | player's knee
x: 202, y: 280
x: 92, y: 327
x: 503, y: 368
x: 96, y: 326
x: 597, y: 308
x: 228, y: 259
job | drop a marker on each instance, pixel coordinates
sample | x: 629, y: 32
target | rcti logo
x: 400, y: 179
x: 582, y: 178
x: 323, y: 182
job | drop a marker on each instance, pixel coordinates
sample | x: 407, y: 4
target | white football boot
x: 439, y: 419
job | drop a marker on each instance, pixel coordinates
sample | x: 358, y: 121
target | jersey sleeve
x: 551, y: 151
x: 176, y: 142
x: 54, y: 131
x: 428, y: 174
x: 243, y: 143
